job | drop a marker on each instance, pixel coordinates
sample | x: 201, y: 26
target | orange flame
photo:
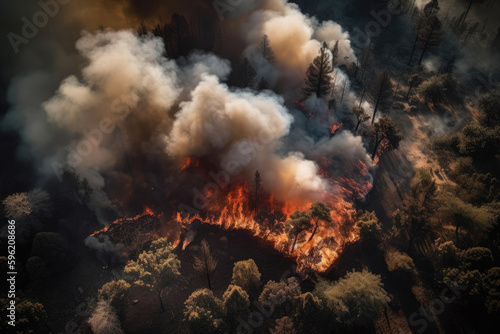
x: 188, y: 162
x: 335, y: 127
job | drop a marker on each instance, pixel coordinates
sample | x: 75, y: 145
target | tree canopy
x: 319, y: 74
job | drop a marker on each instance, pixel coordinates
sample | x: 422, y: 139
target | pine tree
x: 258, y: 189
x: 266, y: 50
x: 205, y: 262
x: 385, y: 131
x: 319, y: 74
x: 335, y: 54
x: 247, y: 73
x: 430, y: 35
x: 361, y: 116
x: 381, y: 92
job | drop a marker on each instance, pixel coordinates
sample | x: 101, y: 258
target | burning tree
x: 272, y: 222
x: 156, y: 268
x: 319, y: 74
x: 299, y: 221
x: 384, y: 132
x: 205, y: 262
x: 257, y: 189
x: 319, y: 211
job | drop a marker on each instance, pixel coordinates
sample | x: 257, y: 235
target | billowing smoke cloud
x: 294, y: 47
x: 132, y: 115
x: 106, y: 251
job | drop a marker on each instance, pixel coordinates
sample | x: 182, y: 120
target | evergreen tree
x: 204, y: 262
x: 266, y: 51
x: 381, y: 92
x: 361, y: 116
x: 156, y: 268
x: 319, y: 74
x: 384, y: 131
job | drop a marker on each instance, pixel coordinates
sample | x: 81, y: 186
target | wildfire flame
x: 233, y: 209
x: 335, y: 127
x: 188, y: 162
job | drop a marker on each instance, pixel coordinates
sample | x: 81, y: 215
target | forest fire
x: 335, y: 127
x: 236, y: 209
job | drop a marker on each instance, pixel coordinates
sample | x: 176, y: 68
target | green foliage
x: 385, y: 130
x: 356, y: 299
x: 413, y: 221
x: 247, y: 276
x: 319, y: 74
x: 319, y: 212
x: 37, y: 269
x: 30, y: 316
x: 235, y: 301
x: 284, y: 326
x: 470, y: 279
x: 156, y: 268
x: 400, y: 263
x: 489, y: 108
x: 446, y: 254
x: 479, y: 141
x: 285, y: 295
x: 53, y: 249
x: 491, y: 286
x: 370, y: 229
x: 477, y: 258
x: 299, y: 221
x: 310, y: 313
x: 476, y: 220
x: 115, y: 292
x: 204, y: 312
x: 439, y: 88
x: 361, y: 115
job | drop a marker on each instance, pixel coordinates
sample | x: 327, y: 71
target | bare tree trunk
x: 314, y: 231
x: 294, y: 242
x: 162, y: 308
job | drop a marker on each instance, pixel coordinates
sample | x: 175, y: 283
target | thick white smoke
x: 295, y: 40
x: 131, y: 100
